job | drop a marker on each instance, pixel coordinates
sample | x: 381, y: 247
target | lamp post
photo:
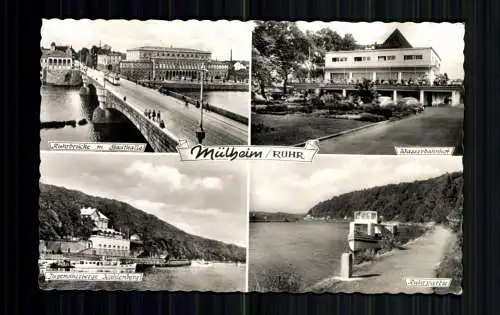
x: 200, y: 134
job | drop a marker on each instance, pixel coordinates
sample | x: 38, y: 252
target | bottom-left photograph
x: 128, y: 221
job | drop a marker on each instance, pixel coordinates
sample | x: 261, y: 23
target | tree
x: 348, y: 42
x: 325, y: 40
x: 283, y: 44
x: 261, y: 70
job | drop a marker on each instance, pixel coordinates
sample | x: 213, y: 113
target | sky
x: 218, y: 37
x: 296, y: 187
x: 205, y: 201
x: 447, y: 39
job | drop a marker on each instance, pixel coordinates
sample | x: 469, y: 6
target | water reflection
x: 66, y: 104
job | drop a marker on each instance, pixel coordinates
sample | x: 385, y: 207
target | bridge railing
x: 223, y: 112
x: 134, y: 114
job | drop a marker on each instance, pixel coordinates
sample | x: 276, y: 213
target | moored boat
x: 114, y: 266
x: 365, y: 231
x: 201, y: 263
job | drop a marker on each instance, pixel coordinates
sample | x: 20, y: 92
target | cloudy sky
x: 447, y: 39
x: 205, y: 200
x: 218, y: 37
x: 296, y: 187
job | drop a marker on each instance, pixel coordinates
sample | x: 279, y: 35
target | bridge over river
x: 181, y: 121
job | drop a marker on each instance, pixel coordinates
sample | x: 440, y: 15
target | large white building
x: 105, y: 241
x: 171, y: 63
x: 395, y: 61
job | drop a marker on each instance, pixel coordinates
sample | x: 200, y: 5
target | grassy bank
x: 278, y: 278
x: 451, y: 267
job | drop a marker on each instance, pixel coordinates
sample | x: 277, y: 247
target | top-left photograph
x: 147, y: 83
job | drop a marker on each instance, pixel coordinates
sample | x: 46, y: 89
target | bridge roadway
x: 180, y: 120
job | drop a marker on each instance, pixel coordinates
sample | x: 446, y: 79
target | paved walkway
x: 435, y: 127
x: 418, y: 259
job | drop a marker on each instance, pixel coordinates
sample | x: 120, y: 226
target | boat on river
x: 366, y: 230
x: 89, y: 265
x: 201, y: 263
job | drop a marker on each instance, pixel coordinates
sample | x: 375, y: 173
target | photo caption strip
x: 424, y: 150
x: 93, y: 276
x: 199, y: 152
x: 428, y: 282
x: 96, y: 146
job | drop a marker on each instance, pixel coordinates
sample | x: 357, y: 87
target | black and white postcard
x: 149, y: 83
x: 365, y: 223
x: 359, y: 88
x: 124, y: 221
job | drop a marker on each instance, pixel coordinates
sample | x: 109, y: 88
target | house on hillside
x: 100, y: 220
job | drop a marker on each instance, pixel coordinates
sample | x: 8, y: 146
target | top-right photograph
x: 359, y: 88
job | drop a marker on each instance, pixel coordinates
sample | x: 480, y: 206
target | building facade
x: 396, y: 62
x: 112, y: 59
x: 169, y: 63
x: 104, y: 240
x: 57, y: 57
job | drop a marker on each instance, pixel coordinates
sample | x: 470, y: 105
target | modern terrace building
x: 169, y: 63
x: 395, y: 61
x: 397, y: 69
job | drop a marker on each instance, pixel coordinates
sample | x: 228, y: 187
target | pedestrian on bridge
x: 154, y: 115
x: 158, y: 116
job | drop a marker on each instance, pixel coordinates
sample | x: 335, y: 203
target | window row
x: 112, y: 246
x: 379, y: 58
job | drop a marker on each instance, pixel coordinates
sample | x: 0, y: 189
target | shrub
x: 277, y: 108
x: 371, y: 117
x: 281, y: 278
x: 306, y: 109
x: 317, y: 102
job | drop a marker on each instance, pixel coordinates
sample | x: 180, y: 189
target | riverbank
x: 387, y: 272
x: 451, y: 266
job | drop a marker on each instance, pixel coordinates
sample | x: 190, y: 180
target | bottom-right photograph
x: 367, y: 224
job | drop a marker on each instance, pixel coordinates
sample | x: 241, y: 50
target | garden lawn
x: 292, y: 129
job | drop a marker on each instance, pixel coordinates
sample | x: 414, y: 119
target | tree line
x: 437, y: 199
x: 283, y: 49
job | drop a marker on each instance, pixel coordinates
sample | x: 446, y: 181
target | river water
x: 312, y: 249
x: 66, y: 104
x: 219, y: 277
x: 233, y: 101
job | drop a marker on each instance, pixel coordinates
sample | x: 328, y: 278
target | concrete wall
x: 160, y: 140
x: 62, y: 77
x: 62, y: 246
x: 212, y: 108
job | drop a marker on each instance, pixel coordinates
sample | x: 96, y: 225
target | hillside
x: 60, y: 216
x: 259, y: 216
x: 420, y: 201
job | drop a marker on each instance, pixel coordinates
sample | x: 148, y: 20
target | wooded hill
x: 420, y: 201
x: 60, y: 216
x: 259, y: 216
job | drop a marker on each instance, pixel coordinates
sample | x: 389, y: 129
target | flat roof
x: 173, y: 49
x: 382, y: 50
